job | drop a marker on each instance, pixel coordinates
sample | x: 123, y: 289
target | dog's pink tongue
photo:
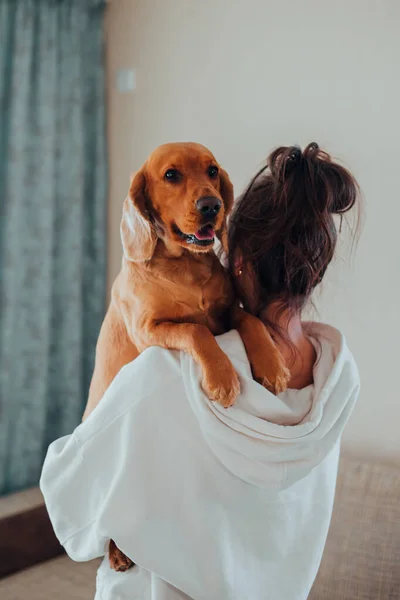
x: 205, y: 233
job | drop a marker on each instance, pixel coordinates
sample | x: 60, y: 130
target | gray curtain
x: 52, y: 223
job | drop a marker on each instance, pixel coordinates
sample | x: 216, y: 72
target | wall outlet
x: 126, y: 80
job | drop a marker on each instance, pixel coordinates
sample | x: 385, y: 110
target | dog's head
x: 180, y: 195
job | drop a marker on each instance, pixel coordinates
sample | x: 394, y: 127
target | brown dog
x: 172, y: 290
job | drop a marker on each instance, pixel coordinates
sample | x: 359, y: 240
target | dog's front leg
x: 267, y: 363
x: 220, y: 380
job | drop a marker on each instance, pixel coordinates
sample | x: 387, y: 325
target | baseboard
x: 26, y: 535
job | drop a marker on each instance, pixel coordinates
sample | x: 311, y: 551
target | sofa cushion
x: 362, y: 556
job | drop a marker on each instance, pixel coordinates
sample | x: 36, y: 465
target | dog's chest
x: 200, y: 293
x: 209, y: 284
x: 214, y: 291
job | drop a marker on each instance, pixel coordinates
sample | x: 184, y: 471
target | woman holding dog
x: 212, y: 503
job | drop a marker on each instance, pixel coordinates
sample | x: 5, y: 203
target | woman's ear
x: 226, y: 191
x: 138, y: 235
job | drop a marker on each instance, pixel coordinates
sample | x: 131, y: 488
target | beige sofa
x: 362, y: 555
x: 361, y: 559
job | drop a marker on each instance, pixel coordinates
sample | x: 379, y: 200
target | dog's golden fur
x: 172, y: 292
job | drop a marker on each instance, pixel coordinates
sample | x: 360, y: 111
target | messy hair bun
x: 283, y: 229
x: 327, y: 186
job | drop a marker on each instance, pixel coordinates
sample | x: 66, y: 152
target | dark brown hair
x: 282, y: 230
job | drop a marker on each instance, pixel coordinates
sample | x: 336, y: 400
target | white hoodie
x: 212, y: 504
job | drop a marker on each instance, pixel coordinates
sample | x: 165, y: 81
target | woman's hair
x: 282, y: 231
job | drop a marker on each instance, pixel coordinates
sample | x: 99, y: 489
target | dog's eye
x: 212, y: 172
x: 173, y: 175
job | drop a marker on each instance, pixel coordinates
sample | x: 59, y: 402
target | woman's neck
x: 284, y: 320
x: 296, y: 348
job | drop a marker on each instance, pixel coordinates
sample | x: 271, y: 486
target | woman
x: 215, y: 504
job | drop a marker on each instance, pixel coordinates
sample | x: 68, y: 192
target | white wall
x: 242, y: 76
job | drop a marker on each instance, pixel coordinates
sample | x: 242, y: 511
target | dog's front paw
x: 222, y: 384
x: 118, y: 560
x: 271, y: 372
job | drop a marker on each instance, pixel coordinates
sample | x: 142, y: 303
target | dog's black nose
x: 209, y: 206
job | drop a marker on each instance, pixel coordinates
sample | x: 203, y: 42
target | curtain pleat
x: 53, y: 189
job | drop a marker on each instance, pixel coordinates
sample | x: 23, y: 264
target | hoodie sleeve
x: 72, y: 500
x: 84, y: 474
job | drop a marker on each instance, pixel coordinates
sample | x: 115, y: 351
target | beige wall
x: 242, y: 76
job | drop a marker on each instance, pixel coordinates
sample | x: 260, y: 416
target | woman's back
x: 219, y: 504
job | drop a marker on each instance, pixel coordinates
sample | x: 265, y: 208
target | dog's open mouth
x: 203, y: 237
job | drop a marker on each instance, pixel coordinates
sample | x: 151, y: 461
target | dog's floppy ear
x: 138, y: 235
x: 226, y: 191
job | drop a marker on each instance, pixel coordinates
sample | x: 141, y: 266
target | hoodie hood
x: 274, y: 441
